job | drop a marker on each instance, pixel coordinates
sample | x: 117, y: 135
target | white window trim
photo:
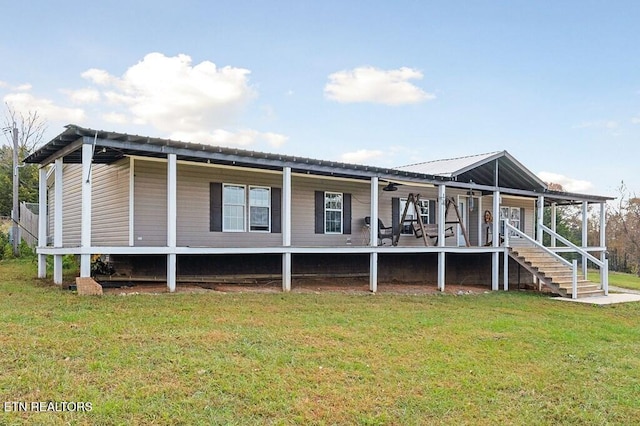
x: 341, y: 210
x: 404, y: 200
x: 244, y: 208
x: 509, y: 209
x: 248, y: 215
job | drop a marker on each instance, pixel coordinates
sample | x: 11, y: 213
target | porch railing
x: 508, y: 228
x: 602, y: 264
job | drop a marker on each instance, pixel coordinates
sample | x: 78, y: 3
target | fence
x: 29, y: 223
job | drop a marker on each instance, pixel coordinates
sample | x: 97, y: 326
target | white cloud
x: 598, y: 124
x: 23, y: 87
x: 221, y: 137
x: 369, y: 84
x: 4, y: 84
x: 99, y: 77
x: 115, y: 117
x: 83, y: 96
x: 25, y: 102
x: 568, y: 184
x: 361, y: 156
x: 636, y: 119
x: 175, y: 96
x: 275, y: 140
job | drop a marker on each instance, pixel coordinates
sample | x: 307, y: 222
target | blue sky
x: 555, y: 83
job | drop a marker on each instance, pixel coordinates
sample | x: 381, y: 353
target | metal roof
x: 112, y: 146
x: 472, y: 172
x: 481, y: 169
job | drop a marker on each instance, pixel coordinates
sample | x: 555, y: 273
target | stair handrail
x: 573, y: 265
x: 569, y: 244
x: 510, y: 227
x: 603, y: 265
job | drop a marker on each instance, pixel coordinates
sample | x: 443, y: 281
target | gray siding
x: 303, y: 212
x: 528, y: 204
x: 150, y: 203
x: 71, y: 204
x: 110, y: 204
x: 193, y: 207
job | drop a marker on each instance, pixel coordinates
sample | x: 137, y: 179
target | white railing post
x: 574, y: 280
x: 605, y: 277
x: 505, y: 265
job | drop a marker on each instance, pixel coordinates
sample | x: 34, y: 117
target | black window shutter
x: 319, y: 213
x: 395, y: 215
x: 522, y: 219
x: 346, y: 213
x: 215, y: 207
x: 432, y: 211
x: 276, y: 210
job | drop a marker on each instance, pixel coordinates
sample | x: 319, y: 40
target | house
x: 180, y: 211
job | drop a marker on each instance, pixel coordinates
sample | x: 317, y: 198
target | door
x: 462, y: 208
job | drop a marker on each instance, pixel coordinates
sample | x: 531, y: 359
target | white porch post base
x: 57, y: 269
x: 171, y: 272
x: 441, y: 270
x: 85, y: 265
x: 495, y: 271
x: 505, y: 277
x: 286, y: 272
x: 42, y: 266
x: 373, y: 272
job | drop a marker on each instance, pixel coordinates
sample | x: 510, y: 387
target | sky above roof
x: 555, y: 83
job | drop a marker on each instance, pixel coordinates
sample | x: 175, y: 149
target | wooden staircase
x: 550, y: 271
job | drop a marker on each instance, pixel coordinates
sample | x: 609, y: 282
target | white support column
x: 132, y: 177
x: 585, y: 239
x: 505, y: 272
x: 480, y: 221
x: 57, y: 221
x: 540, y: 219
x: 172, y: 217
x: 441, y: 240
x: 286, y: 228
x: 85, y: 208
x: 554, y: 220
x: 604, y: 272
x: 373, y: 236
x: 42, y: 221
x: 495, y: 257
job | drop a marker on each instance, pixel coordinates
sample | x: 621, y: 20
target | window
x: 512, y: 214
x: 333, y: 213
x: 259, y: 208
x: 233, y: 205
x: 423, y: 208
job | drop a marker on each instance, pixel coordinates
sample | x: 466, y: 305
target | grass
x: 617, y: 279
x: 329, y: 358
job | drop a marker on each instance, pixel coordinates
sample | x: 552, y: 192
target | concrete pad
x: 604, y: 300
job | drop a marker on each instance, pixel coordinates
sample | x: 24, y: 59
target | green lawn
x: 329, y: 358
x: 618, y: 279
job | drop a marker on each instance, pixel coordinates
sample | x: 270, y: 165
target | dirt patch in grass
x: 315, y: 285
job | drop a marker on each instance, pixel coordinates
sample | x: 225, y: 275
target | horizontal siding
x: 71, y: 204
x: 110, y: 204
x: 150, y: 203
x: 51, y: 199
x: 527, y: 203
x: 303, y: 212
x: 193, y: 207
